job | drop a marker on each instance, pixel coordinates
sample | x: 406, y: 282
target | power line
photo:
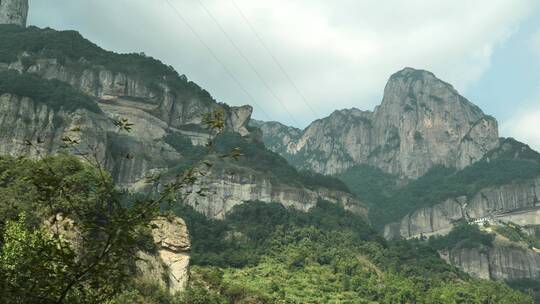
x: 261, y: 41
x: 231, y: 75
x: 241, y: 53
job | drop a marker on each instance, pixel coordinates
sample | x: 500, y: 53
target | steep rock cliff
x: 421, y: 122
x: 166, y: 111
x: 176, y: 108
x: 517, y: 202
x: 169, y: 266
x: 230, y: 184
x: 502, y: 261
x: 13, y: 12
x: 22, y: 120
x: 511, y: 175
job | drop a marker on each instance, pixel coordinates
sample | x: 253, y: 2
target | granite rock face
x: 22, y: 120
x: 169, y: 267
x: 228, y: 186
x: 166, y: 111
x: 174, y: 108
x: 516, y: 202
x: 421, y: 122
x: 14, y: 12
x: 499, y: 262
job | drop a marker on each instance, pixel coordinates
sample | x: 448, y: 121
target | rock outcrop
x: 228, y: 185
x: 167, y: 113
x: 22, y: 120
x: 13, y: 12
x: 422, y: 122
x: 517, y: 202
x: 500, y: 262
x: 176, y: 109
x: 169, y: 266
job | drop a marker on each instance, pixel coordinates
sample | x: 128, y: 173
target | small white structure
x: 481, y: 221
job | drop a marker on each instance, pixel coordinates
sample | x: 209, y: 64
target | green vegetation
x: 515, y: 233
x: 266, y: 253
x: 463, y: 235
x: 53, y: 93
x: 257, y: 157
x: 389, y: 203
x: 243, y: 237
x: 262, y: 253
x: 71, y: 49
x: 39, y: 266
x: 528, y: 286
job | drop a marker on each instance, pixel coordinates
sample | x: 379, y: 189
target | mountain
x: 250, y: 228
x: 426, y: 161
x: 502, y: 191
x: 52, y: 82
x: 422, y: 122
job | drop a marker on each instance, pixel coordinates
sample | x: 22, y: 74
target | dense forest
x: 262, y: 253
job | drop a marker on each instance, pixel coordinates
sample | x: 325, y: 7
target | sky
x: 299, y: 60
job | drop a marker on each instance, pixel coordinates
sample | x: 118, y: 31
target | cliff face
x: 421, y: 122
x: 169, y: 266
x: 516, y: 202
x: 13, y: 12
x: 166, y: 111
x: 229, y: 185
x: 176, y: 109
x: 22, y: 119
x: 500, y: 262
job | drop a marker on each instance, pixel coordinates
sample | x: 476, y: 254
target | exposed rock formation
x: 173, y: 108
x: 169, y: 267
x: 13, y: 12
x: 229, y: 185
x: 516, y: 202
x: 164, y: 110
x: 276, y: 136
x: 500, y: 262
x: 421, y: 122
x: 22, y: 119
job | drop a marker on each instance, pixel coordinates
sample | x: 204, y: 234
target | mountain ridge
x: 421, y: 122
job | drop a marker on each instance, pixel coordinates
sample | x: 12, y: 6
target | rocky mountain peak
x: 422, y: 122
x: 409, y: 86
x: 13, y: 12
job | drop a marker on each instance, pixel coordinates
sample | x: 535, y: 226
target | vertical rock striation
x: 516, y: 202
x: 500, y: 262
x: 169, y: 266
x: 14, y: 12
x: 421, y: 122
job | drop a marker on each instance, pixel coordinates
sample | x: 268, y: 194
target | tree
x: 93, y: 262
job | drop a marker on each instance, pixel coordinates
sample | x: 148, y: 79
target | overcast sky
x: 339, y: 53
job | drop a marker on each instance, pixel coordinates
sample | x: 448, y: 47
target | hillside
x: 442, y: 165
x: 52, y: 82
x: 121, y: 181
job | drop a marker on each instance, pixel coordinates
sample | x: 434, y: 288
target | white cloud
x: 525, y: 126
x: 340, y: 52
